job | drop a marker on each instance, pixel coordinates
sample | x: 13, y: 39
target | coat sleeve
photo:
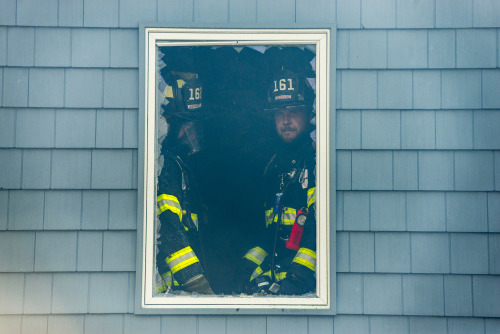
x: 175, y: 253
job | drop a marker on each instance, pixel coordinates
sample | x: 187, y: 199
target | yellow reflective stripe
x: 269, y: 214
x: 180, y: 253
x: 182, y: 259
x: 194, y: 217
x: 169, y: 279
x: 186, y: 263
x: 161, y: 288
x: 168, y: 92
x: 180, y: 83
x: 256, y: 255
x: 307, y: 251
x: 306, y: 257
x: 311, y: 196
x: 280, y: 276
x: 256, y: 273
x: 288, y: 216
x: 267, y: 273
x: 169, y: 202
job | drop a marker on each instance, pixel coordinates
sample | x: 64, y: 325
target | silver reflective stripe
x: 288, y: 216
x: 308, y: 260
x: 257, y: 254
x: 256, y: 273
x: 169, y: 202
x: 311, y: 196
x: 179, y: 260
x: 194, y: 217
x: 306, y: 257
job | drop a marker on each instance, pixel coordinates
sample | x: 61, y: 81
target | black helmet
x: 287, y: 89
x: 184, y: 95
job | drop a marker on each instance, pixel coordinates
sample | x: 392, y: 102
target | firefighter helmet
x: 287, y: 89
x: 184, y: 96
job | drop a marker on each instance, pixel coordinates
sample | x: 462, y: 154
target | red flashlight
x: 297, y: 230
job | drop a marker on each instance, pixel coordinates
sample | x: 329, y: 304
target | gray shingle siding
x: 418, y: 164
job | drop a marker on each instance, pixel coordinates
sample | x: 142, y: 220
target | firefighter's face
x: 291, y: 123
x: 190, y: 137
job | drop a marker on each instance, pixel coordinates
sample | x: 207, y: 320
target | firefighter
x: 283, y: 261
x: 179, y: 254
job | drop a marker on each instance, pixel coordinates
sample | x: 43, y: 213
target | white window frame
x: 324, y: 41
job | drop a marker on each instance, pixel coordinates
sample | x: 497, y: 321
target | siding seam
x: 349, y: 251
x: 256, y: 9
x: 435, y: 130
x: 488, y: 251
x: 118, y: 9
x: 43, y: 209
x: 454, y: 172
x: 444, y: 296
x: 370, y: 219
x: 427, y: 54
x: 50, y: 167
x: 28, y: 89
x: 361, y: 112
x: 91, y: 170
x: 472, y: 14
x: 34, y: 46
x: 455, y: 50
x: 58, y: 10
x: 392, y: 154
x: 386, y: 54
x: 295, y: 12
x: 51, y: 292
x: 16, y: 14
x: 22, y: 167
x: 361, y: 14
x: 481, y: 88
x: 15, y: 126
x: 95, y: 127
x: 488, y: 202
x: 402, y: 295
x: 54, y: 140
x: 123, y: 128
x: 495, y: 186
x: 102, y: 252
x: 1, y: 93
x: 350, y: 154
x: 108, y: 218
x: 109, y: 40
x: 449, y: 254
x: 103, y: 78
x: 472, y: 293
x: 129, y: 297
x: 24, y: 295
x: 362, y: 292
x: 156, y: 19
x: 396, y: 14
x: 498, y: 47
x: 473, y: 112
x: 8, y: 211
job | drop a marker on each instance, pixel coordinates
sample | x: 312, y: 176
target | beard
x: 288, y: 134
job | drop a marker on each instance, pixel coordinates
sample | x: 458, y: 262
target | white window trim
x: 324, y: 303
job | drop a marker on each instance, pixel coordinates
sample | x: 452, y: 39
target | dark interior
x: 239, y: 140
